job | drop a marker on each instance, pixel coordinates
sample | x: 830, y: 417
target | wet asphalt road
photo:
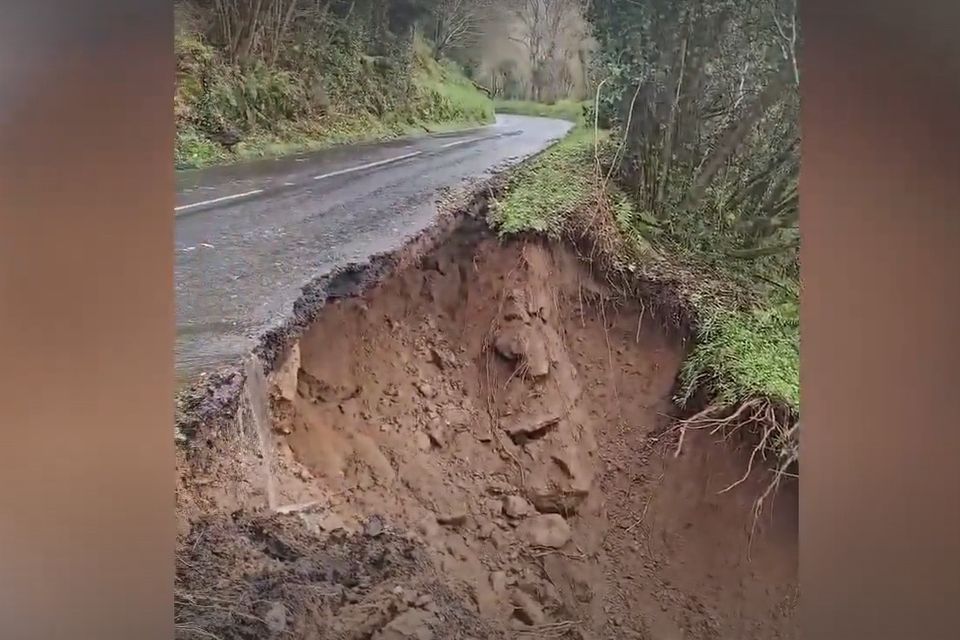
x: 248, y: 237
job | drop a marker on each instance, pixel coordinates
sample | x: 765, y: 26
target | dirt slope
x: 476, y: 448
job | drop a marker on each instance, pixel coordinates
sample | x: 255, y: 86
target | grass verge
x: 571, y: 110
x: 194, y: 150
x: 542, y: 194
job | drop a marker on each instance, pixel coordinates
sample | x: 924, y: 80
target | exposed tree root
x: 551, y: 630
x: 775, y: 429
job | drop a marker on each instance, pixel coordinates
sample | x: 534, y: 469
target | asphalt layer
x: 249, y: 237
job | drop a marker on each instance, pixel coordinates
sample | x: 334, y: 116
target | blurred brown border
x: 86, y: 317
x: 880, y: 220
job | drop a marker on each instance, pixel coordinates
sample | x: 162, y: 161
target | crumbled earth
x: 479, y: 447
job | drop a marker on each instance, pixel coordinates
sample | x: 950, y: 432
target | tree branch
x: 730, y: 140
x: 759, y: 252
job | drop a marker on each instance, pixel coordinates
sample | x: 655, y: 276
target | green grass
x: 438, y: 98
x: 194, y: 150
x: 562, y: 109
x: 746, y: 346
x: 542, y: 193
x: 745, y: 354
x: 446, y: 95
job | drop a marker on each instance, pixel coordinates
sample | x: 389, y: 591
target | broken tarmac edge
x: 214, y: 399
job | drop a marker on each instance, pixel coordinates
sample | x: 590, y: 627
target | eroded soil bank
x: 477, y: 447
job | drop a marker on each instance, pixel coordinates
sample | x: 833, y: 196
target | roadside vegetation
x: 565, y: 109
x: 689, y: 182
x: 541, y: 195
x: 262, y: 78
x: 273, y: 78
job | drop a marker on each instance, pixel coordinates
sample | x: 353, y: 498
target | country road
x: 248, y: 237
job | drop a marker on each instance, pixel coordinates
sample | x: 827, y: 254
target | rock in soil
x: 276, y: 618
x: 536, y: 358
x: 526, y: 609
x: 524, y: 427
x: 442, y: 358
x: 436, y: 434
x: 331, y: 522
x: 453, y: 518
x: 498, y: 582
x: 413, y: 624
x: 557, y: 500
x: 550, y: 530
x: 516, y: 507
x: 423, y: 441
x: 426, y: 390
x: 485, y: 530
x: 373, y: 526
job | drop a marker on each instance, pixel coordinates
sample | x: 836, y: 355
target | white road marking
x: 369, y: 165
x: 216, y: 200
x: 458, y: 142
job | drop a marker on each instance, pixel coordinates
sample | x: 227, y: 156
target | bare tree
x: 455, y: 23
x: 239, y: 21
x: 545, y: 32
x: 261, y: 27
x: 784, y: 13
x: 249, y: 26
x: 276, y: 26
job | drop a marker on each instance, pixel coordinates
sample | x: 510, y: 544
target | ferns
x: 322, y: 91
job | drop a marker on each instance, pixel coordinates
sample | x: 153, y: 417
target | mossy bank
x: 336, y: 79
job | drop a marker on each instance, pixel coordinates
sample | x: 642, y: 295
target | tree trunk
x: 281, y: 32
x: 733, y: 136
x: 666, y: 157
x: 248, y: 33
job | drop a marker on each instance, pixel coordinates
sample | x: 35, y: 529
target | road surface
x: 248, y: 237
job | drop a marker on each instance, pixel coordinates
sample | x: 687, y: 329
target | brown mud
x: 475, y: 444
